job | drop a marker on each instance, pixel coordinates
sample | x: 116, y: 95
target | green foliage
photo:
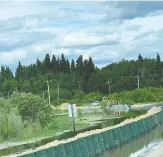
x: 82, y: 78
x: 104, y: 105
x: 31, y: 107
x: 94, y: 96
x: 79, y: 94
x: 133, y: 113
x: 139, y: 96
x: 9, y: 85
x: 10, y: 121
x: 79, y: 113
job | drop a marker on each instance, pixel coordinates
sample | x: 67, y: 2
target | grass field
x: 63, y: 123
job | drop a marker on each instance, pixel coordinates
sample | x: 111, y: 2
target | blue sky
x: 106, y: 31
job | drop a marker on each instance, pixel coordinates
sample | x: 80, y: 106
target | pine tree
x: 39, y: 66
x: 34, y: 71
x: 140, y: 61
x: 58, y: 65
x: 140, y: 58
x: 79, y: 70
x: 68, y: 66
x: 73, y: 66
x: 47, y: 63
x: 19, y: 75
x: 158, y: 59
x: 91, y: 66
x: 63, y: 63
x: 54, y: 64
x: 158, y: 67
x: 2, y: 73
x: 8, y: 74
x: 86, y: 70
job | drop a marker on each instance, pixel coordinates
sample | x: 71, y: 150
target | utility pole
x: 58, y: 92
x: 108, y: 83
x: 48, y: 90
x: 138, y: 77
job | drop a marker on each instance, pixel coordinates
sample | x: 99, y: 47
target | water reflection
x: 137, y: 146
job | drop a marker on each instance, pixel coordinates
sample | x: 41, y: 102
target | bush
x: 10, y: 121
x: 139, y: 96
x: 94, y: 96
x: 31, y: 107
x: 104, y: 105
x: 79, y: 113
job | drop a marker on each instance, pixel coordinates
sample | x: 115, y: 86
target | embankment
x: 92, y: 143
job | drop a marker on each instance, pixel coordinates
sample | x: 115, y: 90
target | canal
x: 139, y: 146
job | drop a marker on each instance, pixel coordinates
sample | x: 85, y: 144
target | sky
x: 105, y: 31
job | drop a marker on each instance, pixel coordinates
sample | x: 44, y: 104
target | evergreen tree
x: 79, y: 70
x: 140, y: 58
x: 19, y: 75
x: 47, y: 63
x: 91, y: 66
x: 2, y: 73
x: 73, y: 66
x: 54, y: 64
x: 34, y: 71
x: 63, y: 64
x: 158, y: 59
x: 86, y: 70
x: 68, y: 66
x: 58, y: 65
x: 158, y: 68
x: 140, y: 61
x: 79, y: 64
x: 8, y: 74
x: 38, y: 64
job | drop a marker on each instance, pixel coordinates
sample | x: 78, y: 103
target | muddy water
x: 138, y: 146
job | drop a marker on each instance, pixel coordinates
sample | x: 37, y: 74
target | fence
x: 96, y: 144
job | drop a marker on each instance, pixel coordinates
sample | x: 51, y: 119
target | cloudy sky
x: 106, y: 31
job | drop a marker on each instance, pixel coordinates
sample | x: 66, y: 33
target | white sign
x: 70, y: 110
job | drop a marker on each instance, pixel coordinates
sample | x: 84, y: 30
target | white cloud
x: 32, y: 29
x: 102, y: 53
x: 82, y: 38
x: 14, y: 9
x: 12, y: 57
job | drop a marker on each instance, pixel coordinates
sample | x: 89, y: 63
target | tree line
x: 82, y: 75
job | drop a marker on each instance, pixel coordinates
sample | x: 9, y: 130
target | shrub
x: 31, y: 107
x: 139, y: 96
x: 79, y: 113
x: 10, y: 121
x: 94, y: 96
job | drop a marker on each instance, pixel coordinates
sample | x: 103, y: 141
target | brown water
x: 138, y: 146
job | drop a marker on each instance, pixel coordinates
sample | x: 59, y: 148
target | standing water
x: 139, y: 146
